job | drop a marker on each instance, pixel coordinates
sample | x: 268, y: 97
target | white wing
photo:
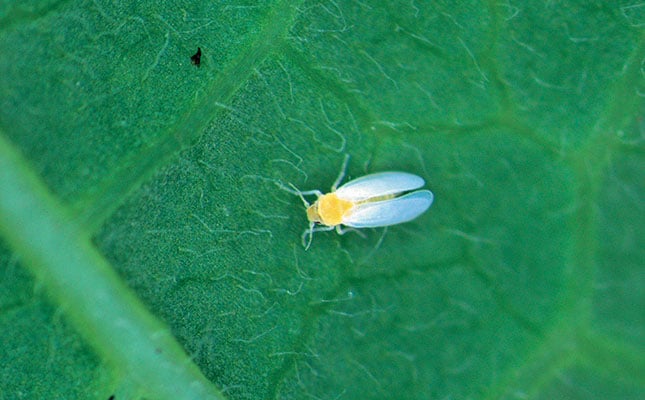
x: 389, y: 212
x: 379, y: 184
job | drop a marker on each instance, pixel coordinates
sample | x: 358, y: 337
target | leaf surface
x: 147, y: 242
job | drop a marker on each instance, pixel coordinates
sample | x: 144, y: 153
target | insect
x: 196, y: 58
x: 370, y: 201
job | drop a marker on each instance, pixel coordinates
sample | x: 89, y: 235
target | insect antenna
x: 300, y: 194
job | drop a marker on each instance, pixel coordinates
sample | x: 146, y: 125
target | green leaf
x: 148, y: 249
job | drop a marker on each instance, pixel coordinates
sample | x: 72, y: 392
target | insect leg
x: 341, y: 231
x: 341, y: 175
x: 299, y: 193
x: 310, y: 233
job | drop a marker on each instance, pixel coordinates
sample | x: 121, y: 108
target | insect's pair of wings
x: 389, y: 211
x: 379, y: 184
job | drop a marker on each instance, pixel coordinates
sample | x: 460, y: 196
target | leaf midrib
x: 88, y: 290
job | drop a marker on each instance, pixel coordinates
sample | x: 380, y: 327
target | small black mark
x: 196, y: 58
x: 111, y: 397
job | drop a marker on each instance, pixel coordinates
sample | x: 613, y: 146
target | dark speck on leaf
x: 111, y: 397
x: 196, y: 58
